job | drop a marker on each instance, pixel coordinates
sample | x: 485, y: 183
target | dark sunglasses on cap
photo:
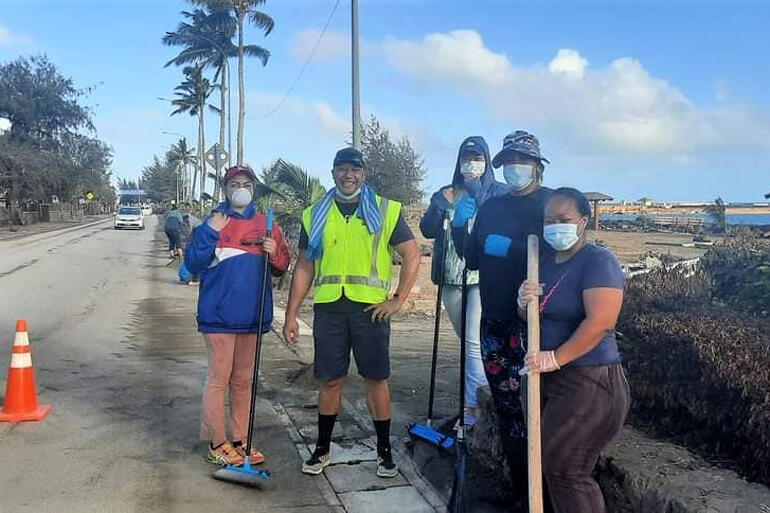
x: 253, y: 242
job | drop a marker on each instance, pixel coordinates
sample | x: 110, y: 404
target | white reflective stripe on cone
x: 21, y: 360
x: 21, y: 339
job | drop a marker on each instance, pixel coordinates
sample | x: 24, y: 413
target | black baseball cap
x: 349, y: 156
x: 471, y: 147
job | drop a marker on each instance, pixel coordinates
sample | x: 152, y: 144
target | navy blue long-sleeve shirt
x: 503, y: 222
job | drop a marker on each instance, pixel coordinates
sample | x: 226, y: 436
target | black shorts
x: 336, y: 332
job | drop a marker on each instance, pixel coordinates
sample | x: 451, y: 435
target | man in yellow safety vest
x: 346, y: 253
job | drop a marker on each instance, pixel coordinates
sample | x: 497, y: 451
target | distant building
x: 645, y: 202
x: 132, y: 196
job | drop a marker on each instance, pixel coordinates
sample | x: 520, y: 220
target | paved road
x: 117, y: 356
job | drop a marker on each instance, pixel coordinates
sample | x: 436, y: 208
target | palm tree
x: 290, y: 190
x: 181, y: 156
x: 207, y: 38
x: 240, y: 10
x: 191, y: 98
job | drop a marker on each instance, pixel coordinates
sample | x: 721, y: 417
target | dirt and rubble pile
x: 698, y: 356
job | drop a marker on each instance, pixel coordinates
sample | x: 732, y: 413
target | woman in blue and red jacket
x: 231, y: 251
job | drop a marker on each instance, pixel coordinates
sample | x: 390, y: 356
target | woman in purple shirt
x: 585, y: 393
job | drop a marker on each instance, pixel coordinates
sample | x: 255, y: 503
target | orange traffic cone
x: 20, y: 395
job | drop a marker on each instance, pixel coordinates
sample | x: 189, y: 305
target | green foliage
x: 192, y: 93
x: 394, y: 169
x: 160, y: 178
x: 40, y: 103
x: 48, y: 150
x: 716, y: 213
x: 289, y: 190
x: 698, y: 358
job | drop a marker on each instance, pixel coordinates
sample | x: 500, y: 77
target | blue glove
x: 497, y: 245
x: 464, y: 210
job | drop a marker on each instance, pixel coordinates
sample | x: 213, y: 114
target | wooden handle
x: 533, y: 386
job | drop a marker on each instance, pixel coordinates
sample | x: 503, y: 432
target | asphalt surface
x: 117, y: 355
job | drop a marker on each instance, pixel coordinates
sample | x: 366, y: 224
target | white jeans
x: 474, y: 367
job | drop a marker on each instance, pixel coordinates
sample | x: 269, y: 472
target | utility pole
x: 356, y: 86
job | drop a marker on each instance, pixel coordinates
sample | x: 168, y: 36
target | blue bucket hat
x: 519, y: 142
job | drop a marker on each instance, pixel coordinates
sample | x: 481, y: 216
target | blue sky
x: 661, y: 99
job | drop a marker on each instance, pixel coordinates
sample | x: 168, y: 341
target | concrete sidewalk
x: 350, y: 483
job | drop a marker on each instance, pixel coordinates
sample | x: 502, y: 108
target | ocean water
x: 736, y: 219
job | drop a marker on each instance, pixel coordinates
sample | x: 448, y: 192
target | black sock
x: 382, y: 427
x: 325, y: 429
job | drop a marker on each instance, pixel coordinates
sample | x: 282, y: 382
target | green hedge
x: 698, y: 366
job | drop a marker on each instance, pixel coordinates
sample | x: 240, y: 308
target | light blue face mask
x: 561, y: 236
x: 519, y: 176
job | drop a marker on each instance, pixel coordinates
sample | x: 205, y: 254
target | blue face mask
x: 561, y: 236
x: 519, y: 176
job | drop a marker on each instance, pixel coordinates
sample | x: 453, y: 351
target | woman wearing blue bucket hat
x: 497, y: 248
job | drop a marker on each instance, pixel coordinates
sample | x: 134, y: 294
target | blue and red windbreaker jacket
x: 231, y: 267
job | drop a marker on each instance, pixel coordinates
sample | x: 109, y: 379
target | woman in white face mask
x: 586, y: 396
x: 231, y: 252
x: 473, y: 182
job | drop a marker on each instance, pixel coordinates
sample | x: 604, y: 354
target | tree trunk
x: 202, y: 150
x: 222, y: 126
x: 241, y: 91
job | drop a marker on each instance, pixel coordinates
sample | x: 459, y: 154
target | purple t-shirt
x: 562, y: 300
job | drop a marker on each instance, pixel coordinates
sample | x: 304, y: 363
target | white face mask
x: 472, y: 169
x: 348, y: 197
x: 561, y: 236
x: 241, y: 197
x: 519, y: 176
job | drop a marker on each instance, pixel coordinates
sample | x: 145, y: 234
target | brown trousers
x: 583, y: 410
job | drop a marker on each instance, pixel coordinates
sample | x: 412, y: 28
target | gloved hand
x: 543, y: 361
x: 464, y: 210
x: 528, y: 291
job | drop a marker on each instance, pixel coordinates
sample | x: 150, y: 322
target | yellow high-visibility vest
x: 353, y: 260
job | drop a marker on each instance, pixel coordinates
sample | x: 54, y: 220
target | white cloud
x: 459, y: 57
x: 620, y: 107
x: 8, y: 38
x: 569, y: 63
x: 334, y: 45
x: 302, y: 115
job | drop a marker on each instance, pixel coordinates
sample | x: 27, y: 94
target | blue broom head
x: 432, y: 436
x: 244, y: 474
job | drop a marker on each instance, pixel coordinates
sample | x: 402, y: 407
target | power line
x: 304, y: 66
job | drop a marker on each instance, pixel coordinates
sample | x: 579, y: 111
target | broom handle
x: 258, y: 355
x: 533, y: 386
x: 437, y: 325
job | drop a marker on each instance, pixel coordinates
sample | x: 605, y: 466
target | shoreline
x: 659, y: 211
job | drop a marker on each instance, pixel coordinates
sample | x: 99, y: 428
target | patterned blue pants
x: 503, y: 356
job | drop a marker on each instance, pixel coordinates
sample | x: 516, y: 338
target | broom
x: 427, y: 432
x: 457, y: 500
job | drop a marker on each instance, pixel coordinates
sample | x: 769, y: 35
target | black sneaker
x: 316, y: 464
x: 385, y: 466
